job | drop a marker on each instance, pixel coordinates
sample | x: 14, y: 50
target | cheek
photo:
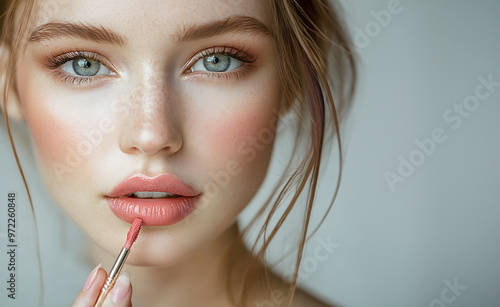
x: 236, y: 135
x: 246, y: 147
x: 235, y: 131
x: 57, y: 129
x: 50, y: 134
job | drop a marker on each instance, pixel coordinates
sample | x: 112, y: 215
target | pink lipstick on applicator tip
x: 132, y: 235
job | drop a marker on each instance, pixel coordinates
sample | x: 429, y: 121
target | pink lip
x: 153, y: 212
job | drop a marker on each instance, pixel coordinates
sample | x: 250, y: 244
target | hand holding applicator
x: 120, y: 262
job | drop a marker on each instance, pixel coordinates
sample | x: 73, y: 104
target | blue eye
x: 85, y: 67
x: 216, y: 63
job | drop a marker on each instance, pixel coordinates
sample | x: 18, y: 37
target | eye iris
x: 217, y: 62
x: 86, y: 67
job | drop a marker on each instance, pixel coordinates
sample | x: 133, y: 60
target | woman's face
x: 149, y: 87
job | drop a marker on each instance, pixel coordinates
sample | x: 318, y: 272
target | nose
x: 151, y: 125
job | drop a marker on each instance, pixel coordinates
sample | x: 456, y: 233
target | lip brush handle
x: 113, y: 276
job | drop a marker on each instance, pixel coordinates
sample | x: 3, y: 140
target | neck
x: 201, y: 281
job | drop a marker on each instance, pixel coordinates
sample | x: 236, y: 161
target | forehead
x: 146, y: 16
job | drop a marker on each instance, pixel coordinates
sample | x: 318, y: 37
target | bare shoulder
x: 304, y: 299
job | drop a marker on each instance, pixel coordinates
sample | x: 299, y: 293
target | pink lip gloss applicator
x: 132, y: 235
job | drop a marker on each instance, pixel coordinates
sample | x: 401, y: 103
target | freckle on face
x: 212, y: 131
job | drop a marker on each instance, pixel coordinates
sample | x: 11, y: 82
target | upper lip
x: 161, y: 183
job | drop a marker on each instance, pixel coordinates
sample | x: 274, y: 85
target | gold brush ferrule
x: 113, y: 275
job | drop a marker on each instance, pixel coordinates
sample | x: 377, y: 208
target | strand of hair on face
x: 9, y: 17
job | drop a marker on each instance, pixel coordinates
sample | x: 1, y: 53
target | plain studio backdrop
x: 416, y: 221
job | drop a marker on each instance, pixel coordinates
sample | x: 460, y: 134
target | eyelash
x: 56, y: 61
x: 241, y: 55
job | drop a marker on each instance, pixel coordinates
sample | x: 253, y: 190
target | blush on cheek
x: 240, y: 144
x: 49, y: 135
x: 55, y: 133
x: 249, y: 136
x: 236, y: 126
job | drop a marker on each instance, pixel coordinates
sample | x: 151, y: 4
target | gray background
x: 442, y: 224
x: 390, y: 248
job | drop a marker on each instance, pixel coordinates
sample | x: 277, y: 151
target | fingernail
x: 90, y: 280
x: 121, y: 288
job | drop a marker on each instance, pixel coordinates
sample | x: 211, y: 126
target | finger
x: 121, y: 294
x: 91, y: 288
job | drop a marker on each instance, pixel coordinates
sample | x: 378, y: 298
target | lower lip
x: 153, y: 212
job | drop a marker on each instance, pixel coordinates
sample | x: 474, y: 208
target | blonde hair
x: 310, y: 37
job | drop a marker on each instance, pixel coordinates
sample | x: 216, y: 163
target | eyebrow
x: 235, y: 24
x: 54, y: 30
